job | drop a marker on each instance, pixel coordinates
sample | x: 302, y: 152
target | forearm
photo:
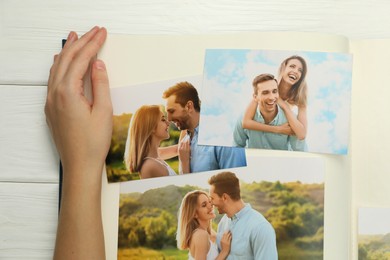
x: 257, y: 126
x: 80, y: 230
x: 222, y: 255
x: 168, y: 152
x: 298, y: 127
x: 185, y: 167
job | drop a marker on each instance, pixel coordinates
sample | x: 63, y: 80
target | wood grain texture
x: 30, y: 30
x: 26, y: 151
x: 28, y: 220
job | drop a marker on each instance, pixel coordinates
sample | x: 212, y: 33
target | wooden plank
x: 26, y: 150
x: 28, y: 220
x: 31, y: 30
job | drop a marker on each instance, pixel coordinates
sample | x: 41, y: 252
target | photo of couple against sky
x: 288, y: 191
x: 227, y: 91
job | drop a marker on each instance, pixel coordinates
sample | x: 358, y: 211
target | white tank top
x: 171, y: 172
x: 211, y: 255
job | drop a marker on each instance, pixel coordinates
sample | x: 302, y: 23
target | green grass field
x: 142, y: 253
x: 286, y: 251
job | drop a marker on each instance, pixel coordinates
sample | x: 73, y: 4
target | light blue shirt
x: 208, y: 158
x: 253, y: 237
x: 266, y: 140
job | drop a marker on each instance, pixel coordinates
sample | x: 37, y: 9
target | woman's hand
x: 284, y: 129
x: 226, y: 241
x: 81, y: 130
x: 184, y: 151
x: 283, y: 104
x: 298, y: 123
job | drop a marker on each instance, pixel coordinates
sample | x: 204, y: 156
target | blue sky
x: 227, y: 90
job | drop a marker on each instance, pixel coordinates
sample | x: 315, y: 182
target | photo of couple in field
x: 248, y: 213
x: 161, y: 139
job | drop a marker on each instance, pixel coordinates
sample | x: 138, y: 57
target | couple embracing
x: 243, y: 233
x: 149, y: 126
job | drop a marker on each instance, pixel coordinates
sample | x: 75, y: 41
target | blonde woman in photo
x: 148, y: 127
x: 292, y: 100
x: 194, y: 232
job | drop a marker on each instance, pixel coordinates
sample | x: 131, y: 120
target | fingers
x: 86, y: 50
x: 72, y: 48
x: 227, y: 236
x: 100, y: 86
x: 72, y: 37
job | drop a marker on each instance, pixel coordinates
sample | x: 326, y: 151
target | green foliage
x: 376, y: 247
x: 315, y: 242
x: 295, y: 220
x: 149, y: 227
x: 115, y: 167
x: 119, y: 136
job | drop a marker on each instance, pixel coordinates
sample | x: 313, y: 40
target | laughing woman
x: 148, y: 127
x: 292, y: 90
x: 194, y: 230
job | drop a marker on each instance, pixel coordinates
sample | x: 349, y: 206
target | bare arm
x: 184, y: 156
x: 152, y: 169
x: 168, y: 152
x: 199, y: 246
x: 249, y: 123
x: 73, y: 121
x: 184, y: 153
x: 298, y: 123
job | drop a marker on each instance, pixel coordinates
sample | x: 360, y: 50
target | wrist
x: 224, y: 253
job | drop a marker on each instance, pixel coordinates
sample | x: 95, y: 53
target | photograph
x: 155, y: 133
x: 374, y: 234
x: 272, y: 209
x: 279, y: 100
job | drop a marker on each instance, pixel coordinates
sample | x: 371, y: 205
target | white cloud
x: 328, y: 94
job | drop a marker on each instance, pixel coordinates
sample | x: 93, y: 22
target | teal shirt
x: 253, y: 237
x: 265, y: 140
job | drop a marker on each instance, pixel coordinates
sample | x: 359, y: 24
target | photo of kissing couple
x: 245, y: 214
x: 242, y: 232
x: 163, y: 140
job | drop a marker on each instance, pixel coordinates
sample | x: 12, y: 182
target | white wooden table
x: 30, y: 33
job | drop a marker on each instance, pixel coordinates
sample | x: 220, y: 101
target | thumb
x: 100, y: 86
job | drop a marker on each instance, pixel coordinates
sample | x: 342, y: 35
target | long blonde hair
x: 139, y: 138
x: 187, y: 223
x: 298, y: 92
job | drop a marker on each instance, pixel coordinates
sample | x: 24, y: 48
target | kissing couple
x: 243, y: 233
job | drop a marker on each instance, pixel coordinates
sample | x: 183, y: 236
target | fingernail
x: 71, y: 36
x: 95, y: 28
x: 100, y: 65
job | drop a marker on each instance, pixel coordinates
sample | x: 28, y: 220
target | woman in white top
x: 194, y: 230
x: 148, y: 127
x: 292, y: 90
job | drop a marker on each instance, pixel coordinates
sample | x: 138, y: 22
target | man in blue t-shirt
x: 268, y: 112
x: 253, y: 237
x: 183, y: 109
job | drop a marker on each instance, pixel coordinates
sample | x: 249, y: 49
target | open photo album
x: 268, y: 115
